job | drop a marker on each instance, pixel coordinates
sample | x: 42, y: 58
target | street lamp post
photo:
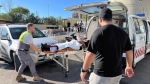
x: 0, y: 8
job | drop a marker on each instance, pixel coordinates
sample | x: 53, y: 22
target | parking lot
x: 52, y: 73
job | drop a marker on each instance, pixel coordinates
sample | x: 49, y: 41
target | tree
x: 19, y: 14
x: 4, y: 16
x: 59, y: 20
x: 51, y: 20
x: 7, y: 5
x: 33, y: 18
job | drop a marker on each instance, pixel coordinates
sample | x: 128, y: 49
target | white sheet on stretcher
x: 72, y: 44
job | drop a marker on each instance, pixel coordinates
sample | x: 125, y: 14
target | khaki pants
x: 95, y: 79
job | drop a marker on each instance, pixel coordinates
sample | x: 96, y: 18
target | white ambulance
x: 137, y: 28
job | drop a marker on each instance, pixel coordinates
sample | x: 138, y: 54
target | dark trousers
x: 26, y: 60
x: 68, y: 29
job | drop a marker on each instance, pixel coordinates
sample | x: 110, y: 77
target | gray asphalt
x: 52, y: 73
x: 142, y: 72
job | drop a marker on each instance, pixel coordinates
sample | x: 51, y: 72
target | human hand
x: 129, y: 71
x: 42, y: 53
x: 82, y: 76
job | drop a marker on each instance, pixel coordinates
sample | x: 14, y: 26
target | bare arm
x: 129, y: 58
x: 34, y: 48
x: 89, y: 58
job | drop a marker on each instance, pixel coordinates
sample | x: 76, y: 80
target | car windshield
x: 16, y: 32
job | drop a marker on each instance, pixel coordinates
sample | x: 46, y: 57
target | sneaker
x: 37, y: 78
x: 20, y: 78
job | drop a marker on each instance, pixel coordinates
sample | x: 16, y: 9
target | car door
x: 140, y: 39
x: 92, y: 9
x: 5, y: 43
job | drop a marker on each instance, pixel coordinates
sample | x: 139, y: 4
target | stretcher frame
x: 65, y: 54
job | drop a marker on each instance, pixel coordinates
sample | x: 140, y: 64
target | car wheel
x: 16, y: 61
x: 11, y: 56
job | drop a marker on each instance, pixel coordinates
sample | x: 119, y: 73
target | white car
x: 9, y: 41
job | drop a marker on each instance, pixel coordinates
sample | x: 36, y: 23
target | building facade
x: 138, y: 7
x: 77, y: 15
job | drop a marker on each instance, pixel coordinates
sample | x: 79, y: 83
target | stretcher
x: 64, y: 54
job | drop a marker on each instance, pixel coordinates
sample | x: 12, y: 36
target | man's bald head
x: 30, y: 27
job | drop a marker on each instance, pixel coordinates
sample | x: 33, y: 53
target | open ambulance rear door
x: 92, y: 9
x: 138, y: 27
x: 148, y: 36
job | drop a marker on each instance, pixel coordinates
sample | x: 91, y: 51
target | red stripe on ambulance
x: 139, y: 52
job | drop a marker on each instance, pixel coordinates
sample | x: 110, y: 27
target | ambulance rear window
x: 120, y: 22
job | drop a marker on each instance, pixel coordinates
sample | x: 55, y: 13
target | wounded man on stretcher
x: 63, y: 47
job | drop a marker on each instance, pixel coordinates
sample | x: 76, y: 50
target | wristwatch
x: 82, y: 70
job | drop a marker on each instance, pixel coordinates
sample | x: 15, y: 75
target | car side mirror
x: 5, y: 38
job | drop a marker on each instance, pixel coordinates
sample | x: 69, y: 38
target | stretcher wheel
x: 66, y: 74
x: 57, y: 58
x: 89, y: 70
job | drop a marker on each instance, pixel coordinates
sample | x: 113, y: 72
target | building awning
x: 4, y: 20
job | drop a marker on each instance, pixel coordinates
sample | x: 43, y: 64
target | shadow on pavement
x: 35, y: 82
x: 6, y: 65
x: 53, y: 71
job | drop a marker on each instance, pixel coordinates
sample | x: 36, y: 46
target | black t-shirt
x: 68, y: 24
x: 75, y: 24
x: 108, y: 43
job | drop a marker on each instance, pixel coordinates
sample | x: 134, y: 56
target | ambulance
x: 136, y: 27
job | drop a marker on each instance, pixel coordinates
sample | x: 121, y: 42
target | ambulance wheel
x: 89, y: 70
x: 16, y: 62
x: 134, y: 65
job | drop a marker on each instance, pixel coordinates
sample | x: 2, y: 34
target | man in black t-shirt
x: 76, y: 27
x: 68, y: 26
x: 106, y: 46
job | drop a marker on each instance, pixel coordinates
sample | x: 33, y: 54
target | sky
x: 56, y: 7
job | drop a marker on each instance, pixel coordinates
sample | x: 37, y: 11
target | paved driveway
x: 52, y: 73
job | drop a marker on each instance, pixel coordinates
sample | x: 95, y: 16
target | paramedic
x: 106, y: 47
x: 25, y: 42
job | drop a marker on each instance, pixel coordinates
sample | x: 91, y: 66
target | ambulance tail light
x: 84, y: 39
x: 102, y: 7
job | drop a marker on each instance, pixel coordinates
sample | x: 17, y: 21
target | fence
x: 59, y: 35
